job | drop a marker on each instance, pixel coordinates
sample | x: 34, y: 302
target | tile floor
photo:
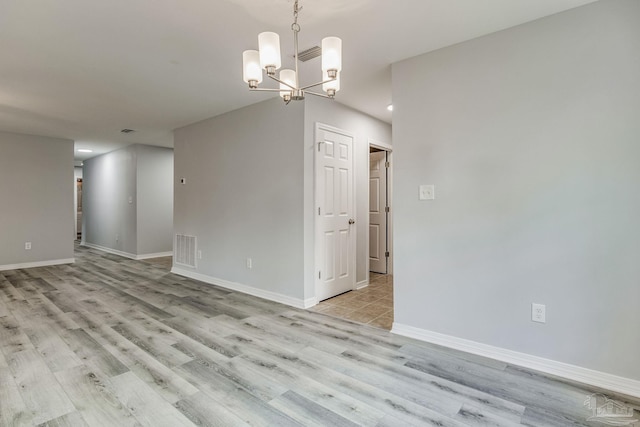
x: 372, y: 305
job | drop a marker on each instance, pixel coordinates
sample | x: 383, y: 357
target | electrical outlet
x: 27, y: 246
x: 249, y: 263
x: 199, y: 254
x: 117, y: 237
x: 539, y: 313
x: 427, y: 192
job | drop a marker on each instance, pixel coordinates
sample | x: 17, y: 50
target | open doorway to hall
x: 372, y: 304
x: 78, y: 208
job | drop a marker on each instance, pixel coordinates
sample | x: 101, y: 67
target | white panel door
x: 335, y: 227
x: 377, y: 212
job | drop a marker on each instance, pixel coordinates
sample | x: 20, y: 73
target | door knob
x: 352, y: 221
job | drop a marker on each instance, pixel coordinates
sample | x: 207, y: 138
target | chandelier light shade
x: 331, y: 54
x: 269, y: 45
x: 252, y: 70
x: 267, y: 60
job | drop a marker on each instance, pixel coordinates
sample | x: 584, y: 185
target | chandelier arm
x: 260, y: 89
x: 283, y: 82
x: 317, y: 84
x: 322, y: 95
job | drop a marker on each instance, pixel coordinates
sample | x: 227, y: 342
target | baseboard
x: 156, y: 255
x: 576, y: 373
x: 271, y: 296
x: 37, y: 264
x: 310, y: 302
x: 125, y: 254
x: 363, y: 284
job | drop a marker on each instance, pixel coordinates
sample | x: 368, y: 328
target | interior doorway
x: 335, y: 212
x: 378, y: 211
x: 78, y: 208
x: 373, y: 303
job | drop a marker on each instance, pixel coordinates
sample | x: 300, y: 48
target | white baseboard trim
x: 37, y: 264
x: 125, y: 254
x: 363, y: 284
x: 108, y: 250
x: 156, y: 255
x: 310, y: 302
x: 271, y: 296
x: 576, y: 373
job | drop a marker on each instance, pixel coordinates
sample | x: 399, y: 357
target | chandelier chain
x: 295, y: 26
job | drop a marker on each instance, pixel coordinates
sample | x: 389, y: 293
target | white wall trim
x: 362, y: 284
x: 108, y: 250
x: 37, y: 264
x: 260, y: 293
x: 126, y: 254
x: 310, y: 302
x: 379, y: 144
x: 155, y: 255
x: 576, y: 373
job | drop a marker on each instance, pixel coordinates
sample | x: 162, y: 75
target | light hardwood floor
x: 114, y: 342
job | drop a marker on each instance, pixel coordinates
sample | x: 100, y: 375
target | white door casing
x: 377, y: 212
x: 335, y: 212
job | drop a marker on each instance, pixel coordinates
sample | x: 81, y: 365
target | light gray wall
x: 531, y: 137
x: 364, y: 128
x: 36, y: 198
x: 109, y: 181
x: 142, y: 174
x: 155, y: 199
x: 243, y: 195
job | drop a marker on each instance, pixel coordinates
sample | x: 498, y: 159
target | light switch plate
x: 427, y: 192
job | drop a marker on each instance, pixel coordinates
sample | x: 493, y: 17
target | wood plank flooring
x: 109, y: 341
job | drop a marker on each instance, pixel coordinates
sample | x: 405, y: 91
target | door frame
x: 316, y: 204
x: 385, y: 147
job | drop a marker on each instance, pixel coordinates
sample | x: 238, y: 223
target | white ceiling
x: 85, y: 69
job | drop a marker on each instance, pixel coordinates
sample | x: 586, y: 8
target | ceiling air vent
x: 309, y: 54
x: 127, y: 130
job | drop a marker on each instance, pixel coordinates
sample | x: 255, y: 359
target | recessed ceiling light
x: 84, y: 150
x: 390, y: 107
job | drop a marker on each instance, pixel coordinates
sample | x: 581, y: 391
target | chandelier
x: 267, y: 58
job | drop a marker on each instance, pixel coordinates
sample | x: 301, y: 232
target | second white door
x: 378, y: 212
x: 336, y: 230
